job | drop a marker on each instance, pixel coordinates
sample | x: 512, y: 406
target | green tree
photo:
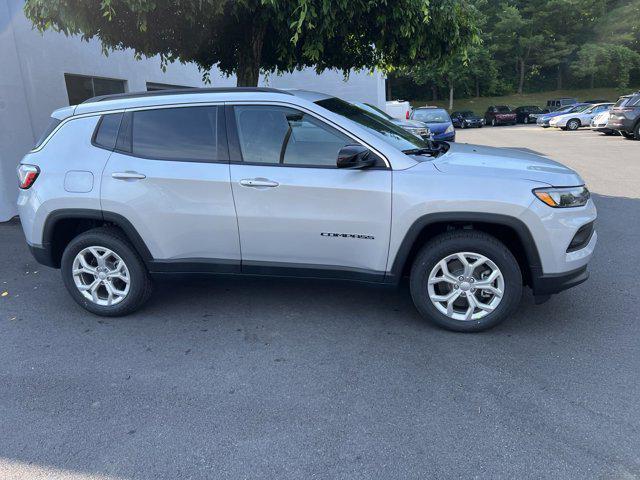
x: 245, y: 37
x: 606, y: 60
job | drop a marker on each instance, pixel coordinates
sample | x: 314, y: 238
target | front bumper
x: 543, y: 285
x: 445, y: 137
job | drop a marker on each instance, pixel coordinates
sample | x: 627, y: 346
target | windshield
x: 374, y: 124
x: 431, y: 115
x: 579, y: 108
x: 467, y: 113
x: 503, y: 109
x: 374, y: 110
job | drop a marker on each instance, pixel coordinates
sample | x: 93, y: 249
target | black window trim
x: 125, y: 133
x: 235, y: 151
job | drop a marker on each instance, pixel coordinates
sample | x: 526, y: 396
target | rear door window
x: 189, y: 134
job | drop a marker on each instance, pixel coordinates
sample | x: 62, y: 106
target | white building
x: 42, y: 72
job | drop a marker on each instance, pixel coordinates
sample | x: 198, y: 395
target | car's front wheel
x: 493, y: 122
x: 466, y: 281
x: 104, y: 274
x: 573, y: 124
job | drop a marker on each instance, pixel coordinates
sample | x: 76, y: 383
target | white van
x: 398, y: 109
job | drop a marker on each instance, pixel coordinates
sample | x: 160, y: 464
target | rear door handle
x: 258, y: 183
x: 128, y: 175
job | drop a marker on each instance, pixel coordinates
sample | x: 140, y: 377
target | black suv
x: 625, y: 116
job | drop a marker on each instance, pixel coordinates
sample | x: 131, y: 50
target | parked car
x: 438, y: 121
x: 295, y: 183
x: 560, y: 102
x: 414, y: 126
x: 580, y: 117
x: 544, y: 119
x: 625, y: 116
x: 600, y: 121
x: 528, y: 114
x: 499, y: 115
x: 466, y: 119
x: 398, y: 109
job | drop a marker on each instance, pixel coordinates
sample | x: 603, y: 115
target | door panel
x: 300, y: 220
x: 182, y: 210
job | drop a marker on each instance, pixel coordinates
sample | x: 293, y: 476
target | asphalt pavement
x: 285, y: 379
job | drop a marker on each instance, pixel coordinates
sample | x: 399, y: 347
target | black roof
x: 183, y: 91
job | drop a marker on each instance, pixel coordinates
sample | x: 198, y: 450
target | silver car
x: 579, y: 118
x: 123, y: 188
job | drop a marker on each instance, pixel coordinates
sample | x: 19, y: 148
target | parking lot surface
x: 262, y: 378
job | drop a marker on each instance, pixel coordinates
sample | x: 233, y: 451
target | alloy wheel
x: 101, y: 276
x: 466, y: 286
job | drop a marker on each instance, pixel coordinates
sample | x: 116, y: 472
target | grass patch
x: 479, y: 105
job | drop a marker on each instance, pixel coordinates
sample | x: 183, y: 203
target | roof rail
x: 183, y: 91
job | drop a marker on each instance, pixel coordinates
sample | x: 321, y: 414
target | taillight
x: 27, y: 175
x: 407, y: 115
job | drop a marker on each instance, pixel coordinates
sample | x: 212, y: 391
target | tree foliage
x: 245, y: 37
x: 541, y: 45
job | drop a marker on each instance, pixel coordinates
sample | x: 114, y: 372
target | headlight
x: 449, y: 129
x: 563, y: 197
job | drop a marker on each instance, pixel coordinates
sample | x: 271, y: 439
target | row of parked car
x: 622, y: 118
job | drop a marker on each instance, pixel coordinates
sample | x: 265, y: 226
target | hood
x: 410, y: 123
x: 438, y: 128
x: 473, y: 118
x: 477, y: 161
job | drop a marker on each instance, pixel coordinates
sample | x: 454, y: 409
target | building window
x: 82, y: 87
x: 153, y: 87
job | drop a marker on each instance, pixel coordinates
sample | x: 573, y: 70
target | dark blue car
x: 438, y: 121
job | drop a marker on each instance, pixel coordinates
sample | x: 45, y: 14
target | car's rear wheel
x: 465, y: 281
x: 636, y: 131
x: 525, y: 120
x: 104, y: 274
x: 573, y: 124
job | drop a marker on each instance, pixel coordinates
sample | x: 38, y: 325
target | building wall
x: 32, y: 84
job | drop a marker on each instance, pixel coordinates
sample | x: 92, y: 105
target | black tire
x: 493, y: 122
x: 573, y: 124
x: 140, y: 282
x: 462, y: 125
x: 627, y: 135
x: 636, y: 131
x: 525, y: 120
x: 450, y: 243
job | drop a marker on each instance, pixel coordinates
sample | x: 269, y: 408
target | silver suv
x: 295, y: 183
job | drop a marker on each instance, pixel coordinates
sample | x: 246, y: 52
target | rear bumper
x: 43, y: 255
x: 557, y: 282
x: 623, y: 125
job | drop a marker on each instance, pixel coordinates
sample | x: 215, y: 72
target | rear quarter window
x: 107, y: 131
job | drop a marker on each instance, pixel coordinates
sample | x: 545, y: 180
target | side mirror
x: 355, y: 156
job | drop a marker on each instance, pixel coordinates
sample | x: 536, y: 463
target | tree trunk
x: 559, y: 82
x: 249, y: 57
x: 388, y: 89
x: 592, y: 80
x: 434, y: 92
x: 521, y: 82
x: 477, y: 87
x: 450, y: 94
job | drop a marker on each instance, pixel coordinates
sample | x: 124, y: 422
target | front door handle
x: 128, y: 175
x: 258, y: 183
